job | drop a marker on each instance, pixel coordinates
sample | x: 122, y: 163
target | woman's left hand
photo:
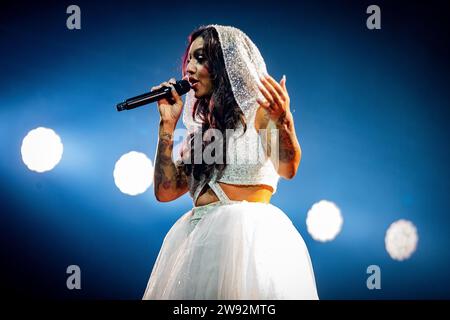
x: 277, y: 102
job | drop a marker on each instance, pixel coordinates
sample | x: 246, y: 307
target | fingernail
x: 284, y: 77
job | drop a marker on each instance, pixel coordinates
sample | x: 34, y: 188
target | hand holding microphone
x: 170, y: 106
x: 168, y: 96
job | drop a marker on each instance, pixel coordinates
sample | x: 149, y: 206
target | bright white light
x: 41, y: 149
x: 401, y: 239
x: 133, y: 173
x: 324, y: 221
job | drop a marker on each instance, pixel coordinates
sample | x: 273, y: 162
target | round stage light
x: 41, y: 149
x: 133, y: 173
x: 324, y: 221
x: 401, y: 239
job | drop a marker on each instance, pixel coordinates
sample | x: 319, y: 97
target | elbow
x: 162, y: 196
x: 291, y: 174
x: 289, y: 170
x: 159, y: 197
x: 162, y: 199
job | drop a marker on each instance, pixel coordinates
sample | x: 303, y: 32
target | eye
x: 200, y: 57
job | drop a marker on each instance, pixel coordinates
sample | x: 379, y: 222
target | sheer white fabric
x: 244, y: 65
x: 234, y: 250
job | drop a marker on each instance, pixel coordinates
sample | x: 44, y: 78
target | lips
x: 192, y: 81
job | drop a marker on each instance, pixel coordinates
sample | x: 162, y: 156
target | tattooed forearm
x: 169, y: 179
x: 289, y: 148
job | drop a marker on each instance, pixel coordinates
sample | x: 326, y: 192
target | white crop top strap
x: 215, y: 186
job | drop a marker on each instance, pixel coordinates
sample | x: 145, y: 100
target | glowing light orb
x: 133, y: 173
x: 324, y: 221
x: 401, y: 239
x: 41, y: 149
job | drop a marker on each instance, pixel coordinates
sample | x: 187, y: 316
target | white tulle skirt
x: 234, y: 250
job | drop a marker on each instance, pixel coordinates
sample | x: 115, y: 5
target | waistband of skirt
x: 199, y: 211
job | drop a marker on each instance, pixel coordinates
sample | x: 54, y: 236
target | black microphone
x: 182, y: 87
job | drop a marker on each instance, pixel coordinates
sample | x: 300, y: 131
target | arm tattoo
x: 287, y: 139
x: 167, y: 175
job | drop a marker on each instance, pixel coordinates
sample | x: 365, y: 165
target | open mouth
x: 193, y: 81
x: 195, y: 84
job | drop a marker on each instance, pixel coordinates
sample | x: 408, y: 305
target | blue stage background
x: 371, y: 109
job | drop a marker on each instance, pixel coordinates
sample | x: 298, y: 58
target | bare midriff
x: 250, y: 193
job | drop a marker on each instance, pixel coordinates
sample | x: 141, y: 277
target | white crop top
x: 247, y: 163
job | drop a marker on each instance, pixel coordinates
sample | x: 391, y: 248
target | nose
x: 190, y: 68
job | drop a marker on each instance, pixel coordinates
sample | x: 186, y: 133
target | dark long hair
x: 219, y: 111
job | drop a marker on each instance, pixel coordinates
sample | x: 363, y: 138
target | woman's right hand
x: 170, y: 109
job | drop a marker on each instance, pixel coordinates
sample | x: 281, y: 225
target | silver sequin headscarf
x: 244, y: 65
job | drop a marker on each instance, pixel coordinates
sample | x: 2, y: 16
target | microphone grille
x: 182, y: 87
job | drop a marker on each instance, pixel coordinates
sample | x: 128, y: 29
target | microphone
x: 182, y: 87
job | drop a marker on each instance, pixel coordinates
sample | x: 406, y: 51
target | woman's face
x: 197, y: 70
